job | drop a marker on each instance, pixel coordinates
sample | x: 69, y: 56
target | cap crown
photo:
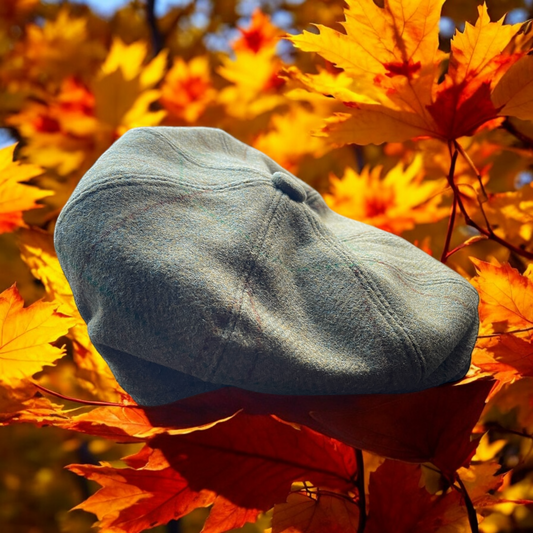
x: 198, y: 262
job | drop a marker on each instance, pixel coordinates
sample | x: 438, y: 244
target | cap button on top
x: 289, y: 186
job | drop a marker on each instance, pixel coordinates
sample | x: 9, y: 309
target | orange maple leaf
x: 393, y: 203
x: 253, y: 74
x: 391, y: 56
x: 15, y: 196
x: 176, y: 474
x: 505, y: 346
x: 506, y: 297
x: 26, y: 334
x: 432, y: 425
x: 131, y: 501
x: 188, y: 89
x: 20, y: 406
x: 260, y: 34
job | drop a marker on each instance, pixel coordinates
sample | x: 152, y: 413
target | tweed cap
x: 198, y: 262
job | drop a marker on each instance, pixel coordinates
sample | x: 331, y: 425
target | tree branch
x: 488, y: 231
x: 472, y: 515
x: 157, y: 37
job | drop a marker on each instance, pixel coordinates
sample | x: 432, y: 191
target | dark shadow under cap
x: 198, y: 262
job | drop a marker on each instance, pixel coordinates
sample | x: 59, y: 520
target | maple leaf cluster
x: 397, y: 127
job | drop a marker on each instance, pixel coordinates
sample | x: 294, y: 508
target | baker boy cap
x: 198, y: 262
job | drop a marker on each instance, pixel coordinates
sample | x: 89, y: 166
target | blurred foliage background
x: 76, y: 75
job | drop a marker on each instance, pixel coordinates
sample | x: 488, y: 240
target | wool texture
x: 198, y: 262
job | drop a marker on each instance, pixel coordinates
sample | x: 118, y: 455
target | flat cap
x: 198, y: 262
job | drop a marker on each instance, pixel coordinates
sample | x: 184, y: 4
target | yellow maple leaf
x: 56, y: 49
x: 123, y: 91
x: 71, y: 129
x: 511, y: 214
x: 253, y: 73
x: 394, y: 203
x: 391, y: 56
x: 26, y: 334
x: 296, y: 125
x: 16, y: 197
x: 60, y: 132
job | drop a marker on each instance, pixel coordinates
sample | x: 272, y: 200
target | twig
x: 451, y: 220
x: 157, y: 38
x: 522, y: 137
x: 473, y: 167
x: 472, y: 516
x: 361, y: 502
x: 469, y: 242
x: 488, y: 232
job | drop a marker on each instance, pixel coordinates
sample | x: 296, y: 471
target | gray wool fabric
x: 198, y: 262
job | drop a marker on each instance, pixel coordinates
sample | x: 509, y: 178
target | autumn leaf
x: 506, y: 297
x: 23, y: 406
x: 513, y: 92
x: 297, y: 125
x: 126, y: 424
x: 395, y: 202
x: 511, y: 214
x: 187, y: 89
x: 409, y: 510
x: 391, y: 425
x: 261, y: 34
x: 123, y: 88
x: 324, y: 512
x: 26, y: 336
x: 131, y: 501
x: 212, y: 466
x: 53, y: 50
x: 72, y: 128
x: 516, y: 401
x: 391, y: 56
x: 15, y: 196
x: 254, y: 73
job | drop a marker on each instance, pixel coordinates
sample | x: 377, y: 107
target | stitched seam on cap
x: 161, y: 179
x: 189, y: 157
x: 379, y: 297
x: 155, y: 183
x: 273, y: 207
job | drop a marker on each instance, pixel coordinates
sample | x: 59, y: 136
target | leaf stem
x: 505, y: 333
x: 510, y: 127
x: 467, y: 158
x: 471, y: 511
x: 361, y: 502
x: 78, y: 400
